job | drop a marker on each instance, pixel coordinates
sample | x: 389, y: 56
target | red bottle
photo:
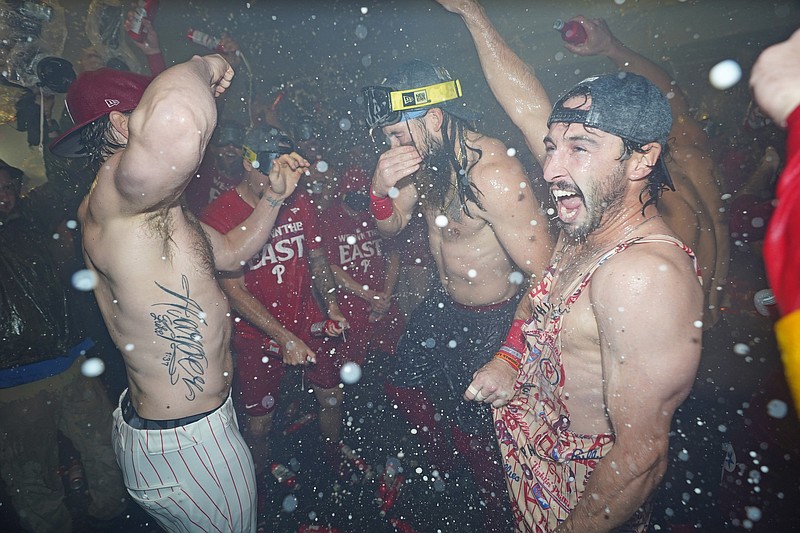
x: 146, y: 9
x: 572, y: 31
x: 325, y: 328
x: 204, y: 39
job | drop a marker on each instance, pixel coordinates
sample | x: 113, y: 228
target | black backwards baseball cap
x: 624, y: 104
x: 263, y: 144
x: 410, y: 90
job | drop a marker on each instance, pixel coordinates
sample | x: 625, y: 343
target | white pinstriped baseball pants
x: 193, y: 478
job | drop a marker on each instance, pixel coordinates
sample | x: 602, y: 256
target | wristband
x: 513, y: 362
x: 514, y: 345
x: 382, y: 208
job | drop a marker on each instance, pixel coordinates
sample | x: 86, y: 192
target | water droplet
x: 322, y: 166
x: 350, y: 373
x: 268, y: 401
x: 394, y: 192
x: 777, y: 409
x: 289, y: 503
x: 741, y: 348
x: 129, y: 347
x: 472, y: 273
x: 511, y: 152
x: 84, y: 280
x: 361, y: 31
x: 344, y: 124
x: 516, y: 278
x: 441, y: 221
x: 351, y: 239
x: 93, y: 367
x: 725, y: 74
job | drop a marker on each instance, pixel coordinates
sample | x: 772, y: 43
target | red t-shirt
x: 354, y: 244
x: 279, y: 275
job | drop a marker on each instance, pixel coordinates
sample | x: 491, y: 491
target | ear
x: 120, y: 123
x: 642, y: 164
x: 435, y: 118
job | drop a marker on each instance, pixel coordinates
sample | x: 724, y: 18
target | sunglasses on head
x: 385, y: 106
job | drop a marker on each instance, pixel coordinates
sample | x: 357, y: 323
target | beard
x: 604, y: 199
x: 433, y: 179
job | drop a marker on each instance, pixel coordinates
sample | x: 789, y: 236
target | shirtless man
x: 156, y: 289
x: 612, y: 341
x: 486, y: 234
x: 696, y: 212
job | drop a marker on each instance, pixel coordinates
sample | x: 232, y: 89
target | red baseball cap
x: 95, y: 94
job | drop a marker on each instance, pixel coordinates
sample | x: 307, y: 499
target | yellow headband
x: 425, y: 96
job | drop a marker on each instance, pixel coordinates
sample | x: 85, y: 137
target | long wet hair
x: 98, y: 137
x: 656, y: 180
x: 454, y: 133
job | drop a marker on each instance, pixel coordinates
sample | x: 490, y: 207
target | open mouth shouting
x: 567, y: 204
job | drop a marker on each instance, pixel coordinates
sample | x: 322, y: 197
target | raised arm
x: 513, y: 83
x: 232, y: 249
x: 691, y: 152
x: 646, y: 301
x: 168, y: 132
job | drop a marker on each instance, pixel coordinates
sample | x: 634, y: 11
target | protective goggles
x: 262, y: 160
x: 385, y: 106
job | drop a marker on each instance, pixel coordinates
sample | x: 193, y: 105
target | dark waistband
x: 132, y: 418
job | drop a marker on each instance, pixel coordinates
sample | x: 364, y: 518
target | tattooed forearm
x: 179, y: 324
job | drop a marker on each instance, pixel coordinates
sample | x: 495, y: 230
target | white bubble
x: 757, y: 222
x: 683, y: 455
x: 559, y: 56
x: 472, y: 272
x: 361, y: 31
x: 452, y: 344
x: 516, y: 278
x: 394, y: 192
x: 441, y: 221
x: 289, y: 503
x: 84, y: 280
x: 344, y: 124
x: 753, y: 513
x: 71, y: 224
x: 741, y: 348
x: 255, y: 164
x: 511, y: 152
x: 777, y: 409
x: 129, y: 347
x: 698, y: 323
x: 268, y: 401
x: 725, y: 74
x: 364, y: 10
x: 93, y: 367
x: 350, y: 373
x: 619, y: 2
x: 366, y: 60
x: 430, y: 343
x: 322, y: 166
x: 351, y: 239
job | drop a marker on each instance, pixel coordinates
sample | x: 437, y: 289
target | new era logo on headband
x: 111, y: 103
x: 416, y: 98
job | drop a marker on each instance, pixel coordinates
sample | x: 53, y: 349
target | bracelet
x: 382, y: 208
x: 513, y: 363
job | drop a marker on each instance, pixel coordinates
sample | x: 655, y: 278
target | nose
x: 553, y: 168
